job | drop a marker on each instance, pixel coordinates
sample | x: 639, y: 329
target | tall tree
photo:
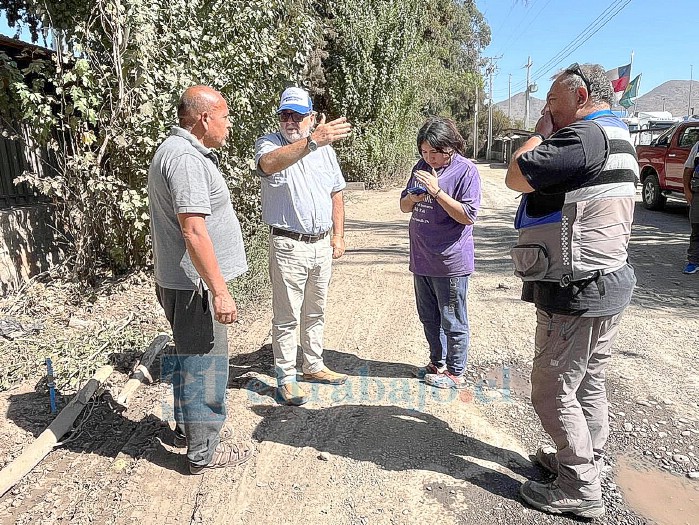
x: 107, y: 97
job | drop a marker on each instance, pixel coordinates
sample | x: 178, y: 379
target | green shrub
x: 108, y: 98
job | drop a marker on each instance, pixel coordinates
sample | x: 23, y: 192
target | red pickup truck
x: 662, y: 162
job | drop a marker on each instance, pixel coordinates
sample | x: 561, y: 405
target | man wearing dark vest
x: 578, y: 174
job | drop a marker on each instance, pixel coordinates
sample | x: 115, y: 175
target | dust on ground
x: 395, y: 451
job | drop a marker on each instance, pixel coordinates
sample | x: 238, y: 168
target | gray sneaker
x: 546, y: 458
x: 226, y: 454
x: 431, y: 368
x: 548, y: 497
x: 179, y: 440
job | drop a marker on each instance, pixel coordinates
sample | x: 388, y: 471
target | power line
x: 523, y: 31
x: 598, y: 23
x: 507, y: 17
x: 582, y: 37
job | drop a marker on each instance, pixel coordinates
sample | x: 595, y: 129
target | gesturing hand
x: 327, y: 132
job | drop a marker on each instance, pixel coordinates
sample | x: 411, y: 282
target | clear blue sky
x: 658, y: 32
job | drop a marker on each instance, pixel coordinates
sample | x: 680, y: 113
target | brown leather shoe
x: 226, y: 455
x: 325, y: 376
x: 291, y: 394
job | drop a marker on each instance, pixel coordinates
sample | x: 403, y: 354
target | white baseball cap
x: 295, y: 99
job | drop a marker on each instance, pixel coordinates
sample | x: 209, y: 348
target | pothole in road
x: 658, y: 495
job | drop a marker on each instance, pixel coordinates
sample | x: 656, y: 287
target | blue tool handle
x: 51, y: 385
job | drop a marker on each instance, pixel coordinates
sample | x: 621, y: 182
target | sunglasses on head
x: 285, y: 116
x: 575, y: 69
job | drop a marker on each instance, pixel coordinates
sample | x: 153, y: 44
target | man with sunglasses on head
x: 302, y: 203
x: 578, y: 175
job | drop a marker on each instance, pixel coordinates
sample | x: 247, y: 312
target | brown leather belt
x: 303, y: 237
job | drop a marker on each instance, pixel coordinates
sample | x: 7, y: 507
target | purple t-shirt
x: 440, y: 246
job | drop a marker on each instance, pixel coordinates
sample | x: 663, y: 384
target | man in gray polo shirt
x: 197, y: 248
x: 302, y: 203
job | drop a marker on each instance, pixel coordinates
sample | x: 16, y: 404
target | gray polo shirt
x: 299, y: 198
x: 184, y: 178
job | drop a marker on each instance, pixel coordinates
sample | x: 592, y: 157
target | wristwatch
x: 312, y: 144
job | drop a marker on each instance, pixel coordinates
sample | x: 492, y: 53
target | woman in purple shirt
x: 443, y: 194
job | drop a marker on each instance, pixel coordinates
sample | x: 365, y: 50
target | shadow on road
x: 657, y: 251
x: 390, y: 228
x: 101, y: 430
x: 262, y: 362
x: 395, y: 439
x: 493, y: 238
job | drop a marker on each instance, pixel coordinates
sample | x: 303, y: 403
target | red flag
x: 620, y: 77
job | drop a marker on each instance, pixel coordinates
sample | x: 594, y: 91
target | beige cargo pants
x: 570, y: 397
x: 300, y: 274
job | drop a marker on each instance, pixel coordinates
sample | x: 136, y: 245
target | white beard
x: 294, y: 136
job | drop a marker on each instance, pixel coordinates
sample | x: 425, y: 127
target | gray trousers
x: 570, y: 397
x: 199, y: 369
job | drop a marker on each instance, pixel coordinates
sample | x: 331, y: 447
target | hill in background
x: 535, y: 107
x: 673, y: 95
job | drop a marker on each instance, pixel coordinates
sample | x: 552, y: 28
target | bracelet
x: 338, y: 235
x: 540, y: 135
x: 437, y: 193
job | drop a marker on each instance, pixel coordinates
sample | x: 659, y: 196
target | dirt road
x: 385, y: 449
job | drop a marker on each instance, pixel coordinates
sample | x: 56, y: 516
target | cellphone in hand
x: 417, y: 190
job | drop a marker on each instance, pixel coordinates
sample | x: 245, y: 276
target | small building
x: 505, y: 144
x: 27, y: 232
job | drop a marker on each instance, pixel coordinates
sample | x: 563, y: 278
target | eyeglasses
x: 285, y: 116
x: 575, y: 69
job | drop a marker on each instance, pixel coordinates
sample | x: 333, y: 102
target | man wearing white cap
x: 303, y: 205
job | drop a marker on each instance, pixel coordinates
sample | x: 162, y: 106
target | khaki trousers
x: 570, y: 397
x: 300, y: 274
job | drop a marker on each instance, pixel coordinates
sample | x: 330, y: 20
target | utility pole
x: 490, y: 111
x: 689, y: 102
x: 526, y: 94
x: 509, y: 97
x: 475, y: 127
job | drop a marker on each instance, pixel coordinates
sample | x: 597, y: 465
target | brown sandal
x: 226, y: 455
x: 179, y: 440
